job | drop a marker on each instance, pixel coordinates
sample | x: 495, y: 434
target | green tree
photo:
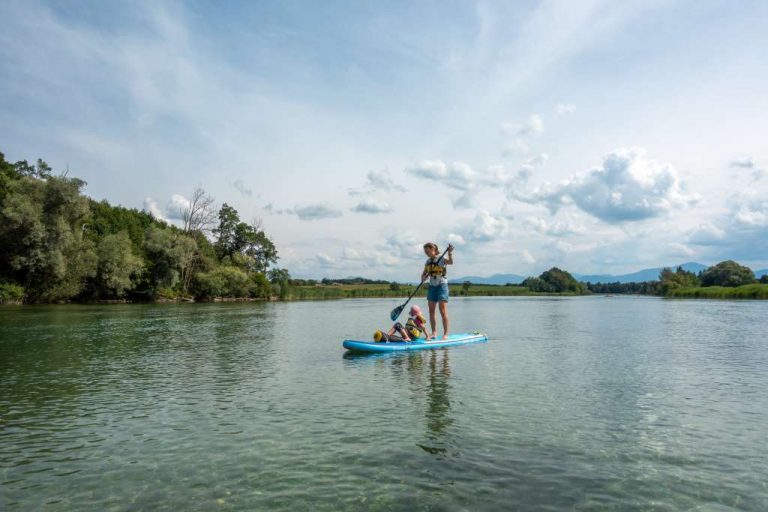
x: 244, y: 245
x: 41, y: 233
x: 680, y: 278
x: 280, y: 277
x: 555, y: 280
x: 116, y: 264
x: 727, y: 273
x: 172, y: 258
x: 223, y: 281
x: 227, y: 242
x: 465, y: 287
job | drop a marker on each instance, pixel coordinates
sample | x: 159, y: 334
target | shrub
x: 11, y: 293
x: 727, y: 273
x: 222, y: 282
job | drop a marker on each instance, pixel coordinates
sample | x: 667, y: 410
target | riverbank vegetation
x: 58, y: 245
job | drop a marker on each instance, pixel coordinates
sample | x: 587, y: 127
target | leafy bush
x: 10, y: 293
x: 555, y: 280
x: 727, y: 273
x: 221, y: 282
x: 671, y: 281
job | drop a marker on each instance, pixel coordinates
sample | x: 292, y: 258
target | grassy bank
x: 747, y: 291
x: 350, y: 291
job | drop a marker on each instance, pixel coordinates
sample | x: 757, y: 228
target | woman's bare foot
x: 445, y: 336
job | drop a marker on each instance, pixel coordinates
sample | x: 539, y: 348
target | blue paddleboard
x: 422, y: 344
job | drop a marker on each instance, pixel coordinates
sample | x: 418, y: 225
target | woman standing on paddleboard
x: 435, y: 270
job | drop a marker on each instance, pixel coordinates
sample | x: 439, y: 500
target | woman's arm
x: 449, y: 259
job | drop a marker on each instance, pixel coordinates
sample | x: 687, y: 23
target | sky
x: 596, y: 136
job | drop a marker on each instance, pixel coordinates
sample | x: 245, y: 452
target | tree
x: 465, y: 287
x: 41, y: 234
x: 764, y: 279
x: 727, y: 273
x: 227, y: 241
x: 245, y: 245
x: 680, y: 278
x: 172, y: 257
x: 116, y: 264
x: 280, y: 277
x: 199, y: 215
x: 555, y: 280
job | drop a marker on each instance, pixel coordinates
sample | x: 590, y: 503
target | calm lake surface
x: 592, y: 403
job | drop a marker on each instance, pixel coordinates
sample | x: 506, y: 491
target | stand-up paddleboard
x: 422, y: 344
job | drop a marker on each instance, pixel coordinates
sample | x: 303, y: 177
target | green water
x: 588, y: 403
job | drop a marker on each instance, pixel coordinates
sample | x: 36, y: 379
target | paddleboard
x: 422, y: 344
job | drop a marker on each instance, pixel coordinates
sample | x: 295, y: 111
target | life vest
x: 416, y: 326
x: 434, y: 269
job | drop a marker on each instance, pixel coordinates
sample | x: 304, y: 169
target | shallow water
x: 589, y: 403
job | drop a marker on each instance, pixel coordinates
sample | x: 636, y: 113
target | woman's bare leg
x: 444, y: 314
x: 432, y: 319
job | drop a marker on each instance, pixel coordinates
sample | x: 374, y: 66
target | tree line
x: 57, y: 245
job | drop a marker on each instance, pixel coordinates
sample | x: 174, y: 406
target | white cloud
x: 537, y: 160
x: 707, y: 234
x: 517, y: 133
x: 325, y: 260
x: 564, y: 109
x: 533, y: 126
x: 554, y: 228
x: 404, y: 244
x: 382, y: 180
x: 744, y: 163
x: 315, y: 211
x: 483, y: 228
x: 372, y: 206
x: 176, y: 206
x: 741, y: 233
x: 456, y: 239
x: 151, y: 206
x: 378, y: 181
x: 678, y: 249
x: 627, y: 187
x: 527, y: 257
x: 458, y: 175
x: 368, y: 258
x: 751, y: 215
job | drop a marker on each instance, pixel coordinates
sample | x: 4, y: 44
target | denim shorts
x: 438, y: 293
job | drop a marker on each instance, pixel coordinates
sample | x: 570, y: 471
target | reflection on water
x: 427, y: 377
x: 574, y: 404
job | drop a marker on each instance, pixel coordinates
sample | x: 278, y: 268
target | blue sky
x: 598, y: 136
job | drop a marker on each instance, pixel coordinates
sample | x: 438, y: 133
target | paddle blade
x: 396, y: 312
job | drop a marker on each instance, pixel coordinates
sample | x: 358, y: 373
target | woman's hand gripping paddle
x: 399, y: 309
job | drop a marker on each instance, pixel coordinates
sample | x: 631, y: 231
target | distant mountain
x: 494, y: 279
x: 648, y: 274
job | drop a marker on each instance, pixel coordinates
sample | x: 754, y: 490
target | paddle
x: 399, y: 309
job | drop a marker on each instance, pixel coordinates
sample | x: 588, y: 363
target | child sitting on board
x: 415, y: 327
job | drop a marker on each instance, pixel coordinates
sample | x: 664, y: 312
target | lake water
x: 591, y: 403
